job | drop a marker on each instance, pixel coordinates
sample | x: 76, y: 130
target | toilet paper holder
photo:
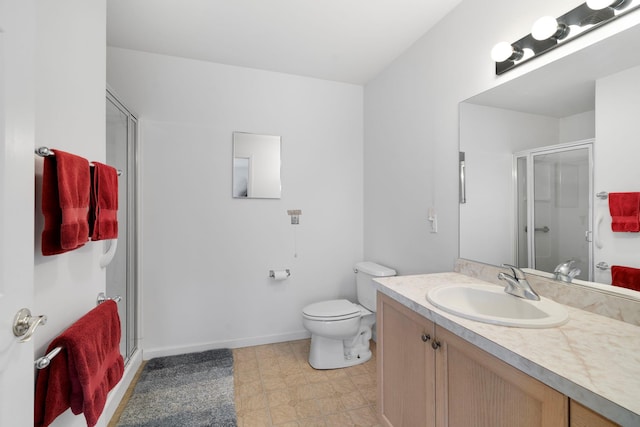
x: 272, y: 273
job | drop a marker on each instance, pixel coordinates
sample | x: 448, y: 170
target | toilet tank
x: 365, y: 272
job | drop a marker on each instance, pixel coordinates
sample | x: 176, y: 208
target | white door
x: 17, y: 111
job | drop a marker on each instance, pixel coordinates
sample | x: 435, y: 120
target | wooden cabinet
x: 406, y: 366
x: 584, y: 417
x: 475, y: 388
x: 428, y: 376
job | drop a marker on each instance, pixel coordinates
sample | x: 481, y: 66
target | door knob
x: 24, y: 324
x: 426, y: 337
x: 435, y: 344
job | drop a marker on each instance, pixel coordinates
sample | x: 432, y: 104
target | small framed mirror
x: 256, y: 166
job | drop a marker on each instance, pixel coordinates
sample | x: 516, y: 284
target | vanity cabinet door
x: 406, y: 363
x: 583, y: 417
x: 475, y: 388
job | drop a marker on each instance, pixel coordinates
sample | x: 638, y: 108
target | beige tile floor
x: 276, y: 386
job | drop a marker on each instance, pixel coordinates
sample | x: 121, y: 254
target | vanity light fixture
x: 603, y: 4
x: 548, y: 27
x: 504, y: 51
x: 549, y: 32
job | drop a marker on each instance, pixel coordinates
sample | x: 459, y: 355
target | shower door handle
x: 544, y: 229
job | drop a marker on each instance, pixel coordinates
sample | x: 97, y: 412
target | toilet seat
x: 332, y: 310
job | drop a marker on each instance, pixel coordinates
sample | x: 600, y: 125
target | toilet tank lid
x: 375, y: 270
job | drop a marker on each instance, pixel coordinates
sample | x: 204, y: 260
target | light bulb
x: 603, y: 4
x: 504, y: 51
x: 544, y: 28
x: 548, y: 27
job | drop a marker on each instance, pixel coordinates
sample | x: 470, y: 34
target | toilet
x: 340, y: 329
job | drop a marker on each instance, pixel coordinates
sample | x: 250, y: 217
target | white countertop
x: 592, y: 359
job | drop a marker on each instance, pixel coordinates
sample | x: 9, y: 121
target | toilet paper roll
x: 279, y: 274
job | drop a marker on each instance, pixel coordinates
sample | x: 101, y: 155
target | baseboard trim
x: 151, y: 353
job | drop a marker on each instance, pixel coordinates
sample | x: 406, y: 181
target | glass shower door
x: 555, y: 208
x: 121, y: 132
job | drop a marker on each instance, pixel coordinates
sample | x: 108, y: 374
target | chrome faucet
x: 517, y: 284
x: 565, y: 272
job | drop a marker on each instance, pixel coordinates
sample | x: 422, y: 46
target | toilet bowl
x: 340, y: 329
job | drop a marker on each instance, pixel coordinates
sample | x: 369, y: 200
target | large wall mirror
x: 569, y: 132
x: 256, y: 166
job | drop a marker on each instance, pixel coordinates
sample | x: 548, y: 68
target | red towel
x: 65, y: 202
x: 625, y: 211
x: 625, y: 277
x: 83, y: 373
x: 104, y: 202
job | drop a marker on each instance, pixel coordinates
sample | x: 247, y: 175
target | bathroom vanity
x: 438, y: 369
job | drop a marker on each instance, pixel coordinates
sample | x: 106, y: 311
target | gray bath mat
x: 193, y: 389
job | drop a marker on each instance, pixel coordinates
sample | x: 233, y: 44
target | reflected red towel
x: 104, y: 202
x: 625, y: 211
x: 625, y: 277
x: 65, y: 202
x: 83, y: 373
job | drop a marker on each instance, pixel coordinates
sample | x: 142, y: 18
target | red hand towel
x: 104, y: 202
x: 625, y: 211
x: 65, y: 202
x: 83, y: 373
x: 625, y: 277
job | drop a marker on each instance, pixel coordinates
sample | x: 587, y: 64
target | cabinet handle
x: 426, y: 337
x: 435, y: 344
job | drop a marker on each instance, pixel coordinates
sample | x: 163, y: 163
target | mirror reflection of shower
x: 554, y: 207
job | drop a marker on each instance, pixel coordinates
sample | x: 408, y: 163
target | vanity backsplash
x: 621, y: 308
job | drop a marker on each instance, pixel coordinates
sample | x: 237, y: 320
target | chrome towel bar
x: 46, y: 152
x: 102, y: 298
x: 44, y: 361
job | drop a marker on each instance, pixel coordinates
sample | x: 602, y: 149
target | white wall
x: 489, y: 137
x: 618, y: 152
x: 578, y: 127
x: 411, y: 126
x: 206, y: 256
x: 70, y: 115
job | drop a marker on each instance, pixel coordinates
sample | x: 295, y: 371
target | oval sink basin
x: 491, y: 304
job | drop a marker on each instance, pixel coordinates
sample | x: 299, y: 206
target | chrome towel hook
x: 24, y: 324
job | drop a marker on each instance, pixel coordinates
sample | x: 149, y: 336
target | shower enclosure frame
x: 130, y: 306
x: 530, y: 245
